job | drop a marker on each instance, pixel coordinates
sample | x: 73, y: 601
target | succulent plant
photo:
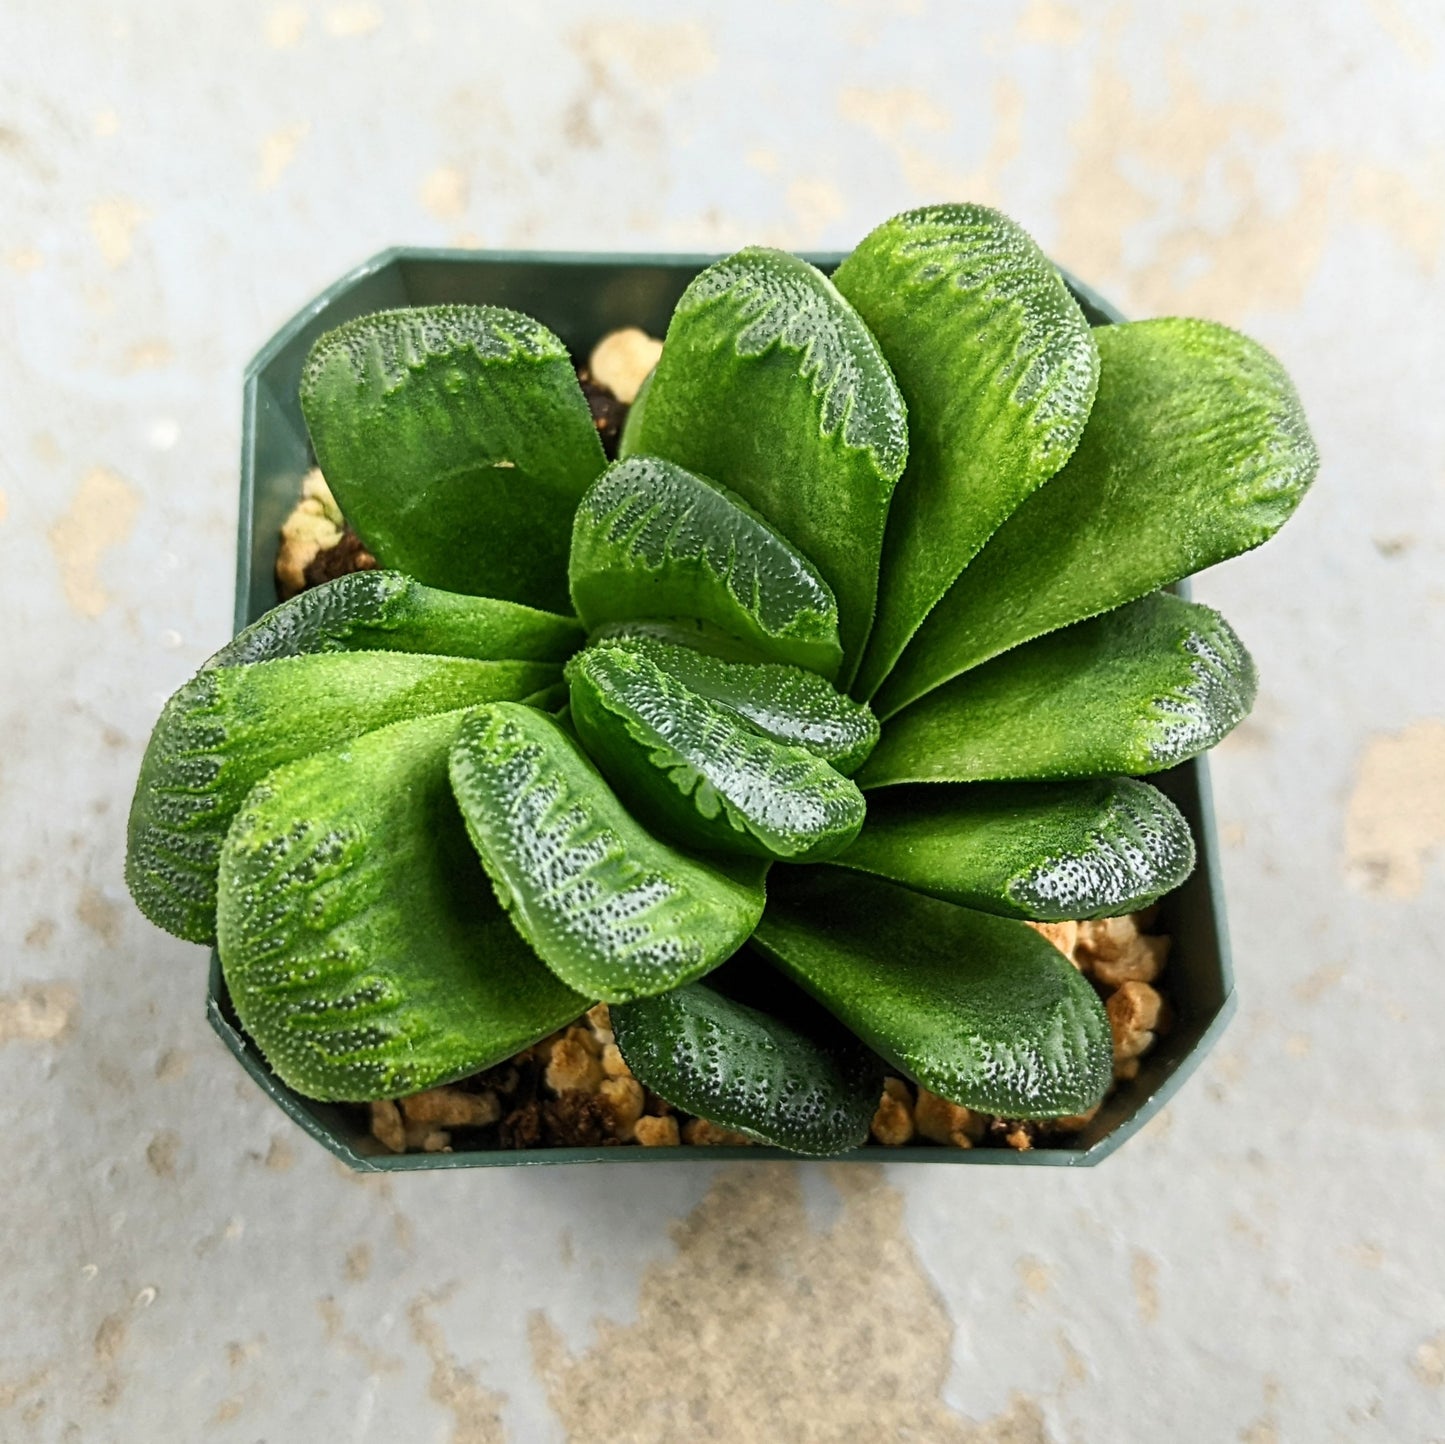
x: 771, y: 734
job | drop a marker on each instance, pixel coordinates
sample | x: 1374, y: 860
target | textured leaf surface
x: 386, y: 611
x: 696, y: 771
x: 1197, y: 449
x: 811, y: 1092
x: 653, y: 541
x: 997, y: 366
x: 359, y: 938
x: 614, y: 912
x: 788, y: 704
x: 457, y: 442
x: 226, y: 728
x: 771, y: 384
x: 1045, y: 850
x: 978, y: 1009
x: 1136, y: 690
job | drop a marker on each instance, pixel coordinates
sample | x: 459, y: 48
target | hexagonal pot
x: 582, y: 297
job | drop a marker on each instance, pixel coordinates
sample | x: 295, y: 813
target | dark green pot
x: 582, y: 297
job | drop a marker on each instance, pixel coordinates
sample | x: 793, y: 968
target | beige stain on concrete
x: 1046, y: 22
x: 759, y: 1316
x: 346, y: 22
x: 476, y: 1410
x: 374, y: 1361
x: 277, y: 152
x: 1413, y: 42
x: 1428, y: 1362
x: 161, y: 1154
x: 816, y: 204
x: 113, y: 224
x: 1396, y: 815
x: 899, y: 116
x: 1144, y: 1274
x: 4, y: 505
x: 37, y: 1012
x: 1173, y: 170
x: 658, y: 56
x: 445, y: 193
x: 96, y: 912
x: 147, y: 356
x: 285, y: 25
x: 24, y: 259
x: 358, y: 1263
x: 100, y: 516
x: 1413, y: 215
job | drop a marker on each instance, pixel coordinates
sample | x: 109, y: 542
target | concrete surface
x: 1265, y: 1264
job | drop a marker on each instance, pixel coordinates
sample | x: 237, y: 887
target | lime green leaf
x: 998, y: 367
x: 227, y: 727
x: 978, y: 1009
x: 457, y: 442
x: 771, y: 384
x: 653, y: 541
x: 387, y: 612
x: 360, y: 942
x: 1196, y: 449
x: 695, y: 771
x: 1045, y: 850
x: 813, y: 1092
x: 611, y: 910
x: 788, y: 704
x: 1136, y: 690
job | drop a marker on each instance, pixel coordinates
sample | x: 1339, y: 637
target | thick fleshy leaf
x: 997, y: 366
x: 653, y: 541
x: 1197, y: 449
x: 771, y: 384
x: 1045, y: 850
x: 359, y: 938
x: 388, y: 612
x: 978, y: 1009
x: 228, y: 727
x: 695, y: 770
x: 1136, y: 690
x: 457, y: 442
x: 789, y: 704
x: 614, y: 912
x: 812, y: 1091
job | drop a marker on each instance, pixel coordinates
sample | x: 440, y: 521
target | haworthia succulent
x: 771, y: 384
x: 998, y: 368
x: 1047, y: 850
x: 614, y: 912
x: 358, y: 935
x: 227, y: 727
x: 1136, y: 690
x: 978, y: 1009
x: 457, y: 441
x: 788, y: 704
x: 813, y: 1092
x: 653, y: 541
x: 1197, y: 449
x: 695, y: 771
x: 386, y: 611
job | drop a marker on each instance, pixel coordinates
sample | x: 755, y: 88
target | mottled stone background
x: 1265, y: 1263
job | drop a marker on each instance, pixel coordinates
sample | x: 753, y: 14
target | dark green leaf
x: 653, y: 541
x: 385, y: 611
x: 1136, y: 690
x: 980, y: 1010
x: 457, y: 442
x: 1044, y: 850
x: 812, y: 1092
x: 770, y: 383
x: 611, y: 910
x: 791, y: 705
x: 227, y: 727
x: 1196, y: 449
x: 998, y: 368
x: 695, y: 771
x: 360, y: 941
